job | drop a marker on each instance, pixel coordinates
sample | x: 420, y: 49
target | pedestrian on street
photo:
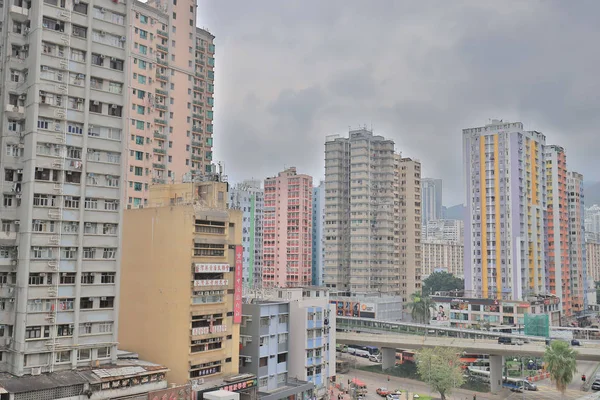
x: 388, y: 378
x: 474, y: 397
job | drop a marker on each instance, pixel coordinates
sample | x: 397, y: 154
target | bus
x: 342, y: 348
x: 363, y: 351
x: 517, y: 384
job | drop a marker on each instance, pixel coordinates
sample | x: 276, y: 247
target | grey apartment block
x: 248, y: 197
x: 63, y: 93
x: 318, y: 223
x: 431, y: 195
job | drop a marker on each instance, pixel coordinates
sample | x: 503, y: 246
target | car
x: 529, y: 386
x: 383, y: 392
x: 575, y: 342
x: 504, y: 340
x: 375, y: 358
x: 394, y: 396
x: 519, y: 342
x: 596, y: 385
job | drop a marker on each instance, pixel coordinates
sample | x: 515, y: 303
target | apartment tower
x: 287, y: 230
x: 361, y: 214
x: 171, y: 73
x: 506, y: 203
x: 248, y: 197
x: 578, y: 281
x: 557, y: 227
x: 318, y: 223
x: 62, y: 181
x: 432, y: 199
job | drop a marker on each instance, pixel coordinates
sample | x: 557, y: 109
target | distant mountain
x: 591, y: 193
x: 455, y: 212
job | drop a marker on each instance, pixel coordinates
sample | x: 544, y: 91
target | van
x: 504, y: 340
x: 375, y: 358
x: 361, y: 353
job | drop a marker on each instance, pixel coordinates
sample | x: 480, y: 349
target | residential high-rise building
x: 577, y: 249
x: 557, y: 227
x: 443, y: 255
x: 181, y: 285
x: 592, y: 252
x: 171, y: 79
x: 431, y: 195
x: 592, y: 222
x: 248, y: 197
x: 444, y: 229
x: 62, y: 178
x: 361, y: 214
x: 287, y: 230
x: 506, y: 194
x: 318, y: 223
x: 409, y: 240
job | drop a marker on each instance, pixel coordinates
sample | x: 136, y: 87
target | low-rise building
x: 265, y: 345
x: 125, y: 379
x: 386, y: 308
x: 466, y: 312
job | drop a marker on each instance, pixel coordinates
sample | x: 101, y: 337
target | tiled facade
x: 62, y: 176
x: 557, y: 227
x: 248, y: 197
x: 287, y: 230
x: 443, y: 255
x: 506, y: 196
x: 171, y: 78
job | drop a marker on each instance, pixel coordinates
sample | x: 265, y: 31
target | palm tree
x: 420, y: 307
x: 560, y: 362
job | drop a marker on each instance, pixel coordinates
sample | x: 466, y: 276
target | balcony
x: 162, y: 48
x: 20, y: 14
x: 160, y: 151
x: 197, y: 129
x: 161, y: 107
x: 196, y: 143
x: 162, y: 33
x: 198, y: 89
x: 161, y: 77
x: 158, y: 165
x: 200, y: 48
x: 197, y: 116
x: 197, y: 103
x: 160, y: 121
x: 159, y: 181
x: 14, y: 111
x: 162, y: 62
x: 159, y: 135
x: 196, y: 158
x: 161, y: 92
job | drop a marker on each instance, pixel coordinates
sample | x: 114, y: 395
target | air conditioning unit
x: 18, y: 196
x: 88, y: 224
x: 96, y: 102
x: 44, y: 68
x: 113, y: 106
x: 102, y: 56
x: 102, y: 33
x: 123, y: 39
x: 102, y: 10
x: 17, y: 222
x: 19, y: 171
x: 102, y: 298
x: 39, y: 169
x: 80, y: 100
x: 36, y: 371
x: 80, y: 76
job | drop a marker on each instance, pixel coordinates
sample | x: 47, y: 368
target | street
x: 546, y: 389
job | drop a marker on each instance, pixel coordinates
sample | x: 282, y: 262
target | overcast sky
x: 289, y: 73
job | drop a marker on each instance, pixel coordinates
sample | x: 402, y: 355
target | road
x: 546, y: 391
x: 483, y: 346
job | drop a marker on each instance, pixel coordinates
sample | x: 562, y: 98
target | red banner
x: 237, y: 293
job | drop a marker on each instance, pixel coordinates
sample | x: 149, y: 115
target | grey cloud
x: 291, y: 72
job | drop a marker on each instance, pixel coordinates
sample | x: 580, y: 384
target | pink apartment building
x: 287, y: 230
x: 171, y: 67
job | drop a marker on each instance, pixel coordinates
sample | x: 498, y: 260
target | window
x: 108, y: 277
x: 137, y: 186
x: 139, y: 171
x: 79, y: 31
x: 95, y: 106
x: 86, y: 303
x: 77, y: 55
x: 96, y: 83
x: 105, y: 327
x: 104, y: 352
x: 141, y: 110
x: 107, y: 302
x: 111, y: 205
x: 112, y: 181
x: 36, y: 279
x: 75, y: 128
x: 35, y: 332
x: 67, y: 278
x: 109, y: 253
x: 116, y: 64
x: 115, y: 110
x: 64, y: 330
x: 89, y: 253
x: 91, y: 203
x: 115, y: 87
x: 81, y: 8
x: 97, y: 59
x: 83, y: 354
x: 143, y: 49
x: 87, y: 278
x: 141, y: 79
x: 85, y: 329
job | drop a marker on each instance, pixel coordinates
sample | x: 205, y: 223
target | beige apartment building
x: 181, y: 301
x: 442, y: 255
x: 593, y: 260
x: 171, y: 75
x: 372, y: 228
x: 409, y: 171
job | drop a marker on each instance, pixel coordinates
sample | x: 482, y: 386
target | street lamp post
x: 522, y: 378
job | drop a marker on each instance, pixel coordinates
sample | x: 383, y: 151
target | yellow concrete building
x: 178, y: 283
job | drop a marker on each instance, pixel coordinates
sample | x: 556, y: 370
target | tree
x: 441, y: 368
x: 560, y: 362
x: 420, y: 308
x: 442, y: 282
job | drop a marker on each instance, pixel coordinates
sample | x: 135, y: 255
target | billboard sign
x: 237, y: 293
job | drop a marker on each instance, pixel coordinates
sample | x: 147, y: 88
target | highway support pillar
x: 388, y: 358
x: 496, y: 373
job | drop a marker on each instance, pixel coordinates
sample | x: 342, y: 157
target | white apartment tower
x: 361, y: 214
x: 62, y: 175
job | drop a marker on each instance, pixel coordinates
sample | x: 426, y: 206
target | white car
x: 375, y: 358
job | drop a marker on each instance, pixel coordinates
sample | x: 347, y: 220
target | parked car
x: 529, y: 386
x: 394, y: 396
x: 575, y: 342
x: 383, y: 392
x: 596, y: 385
x: 519, y: 342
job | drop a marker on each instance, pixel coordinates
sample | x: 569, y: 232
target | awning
x: 358, y: 382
